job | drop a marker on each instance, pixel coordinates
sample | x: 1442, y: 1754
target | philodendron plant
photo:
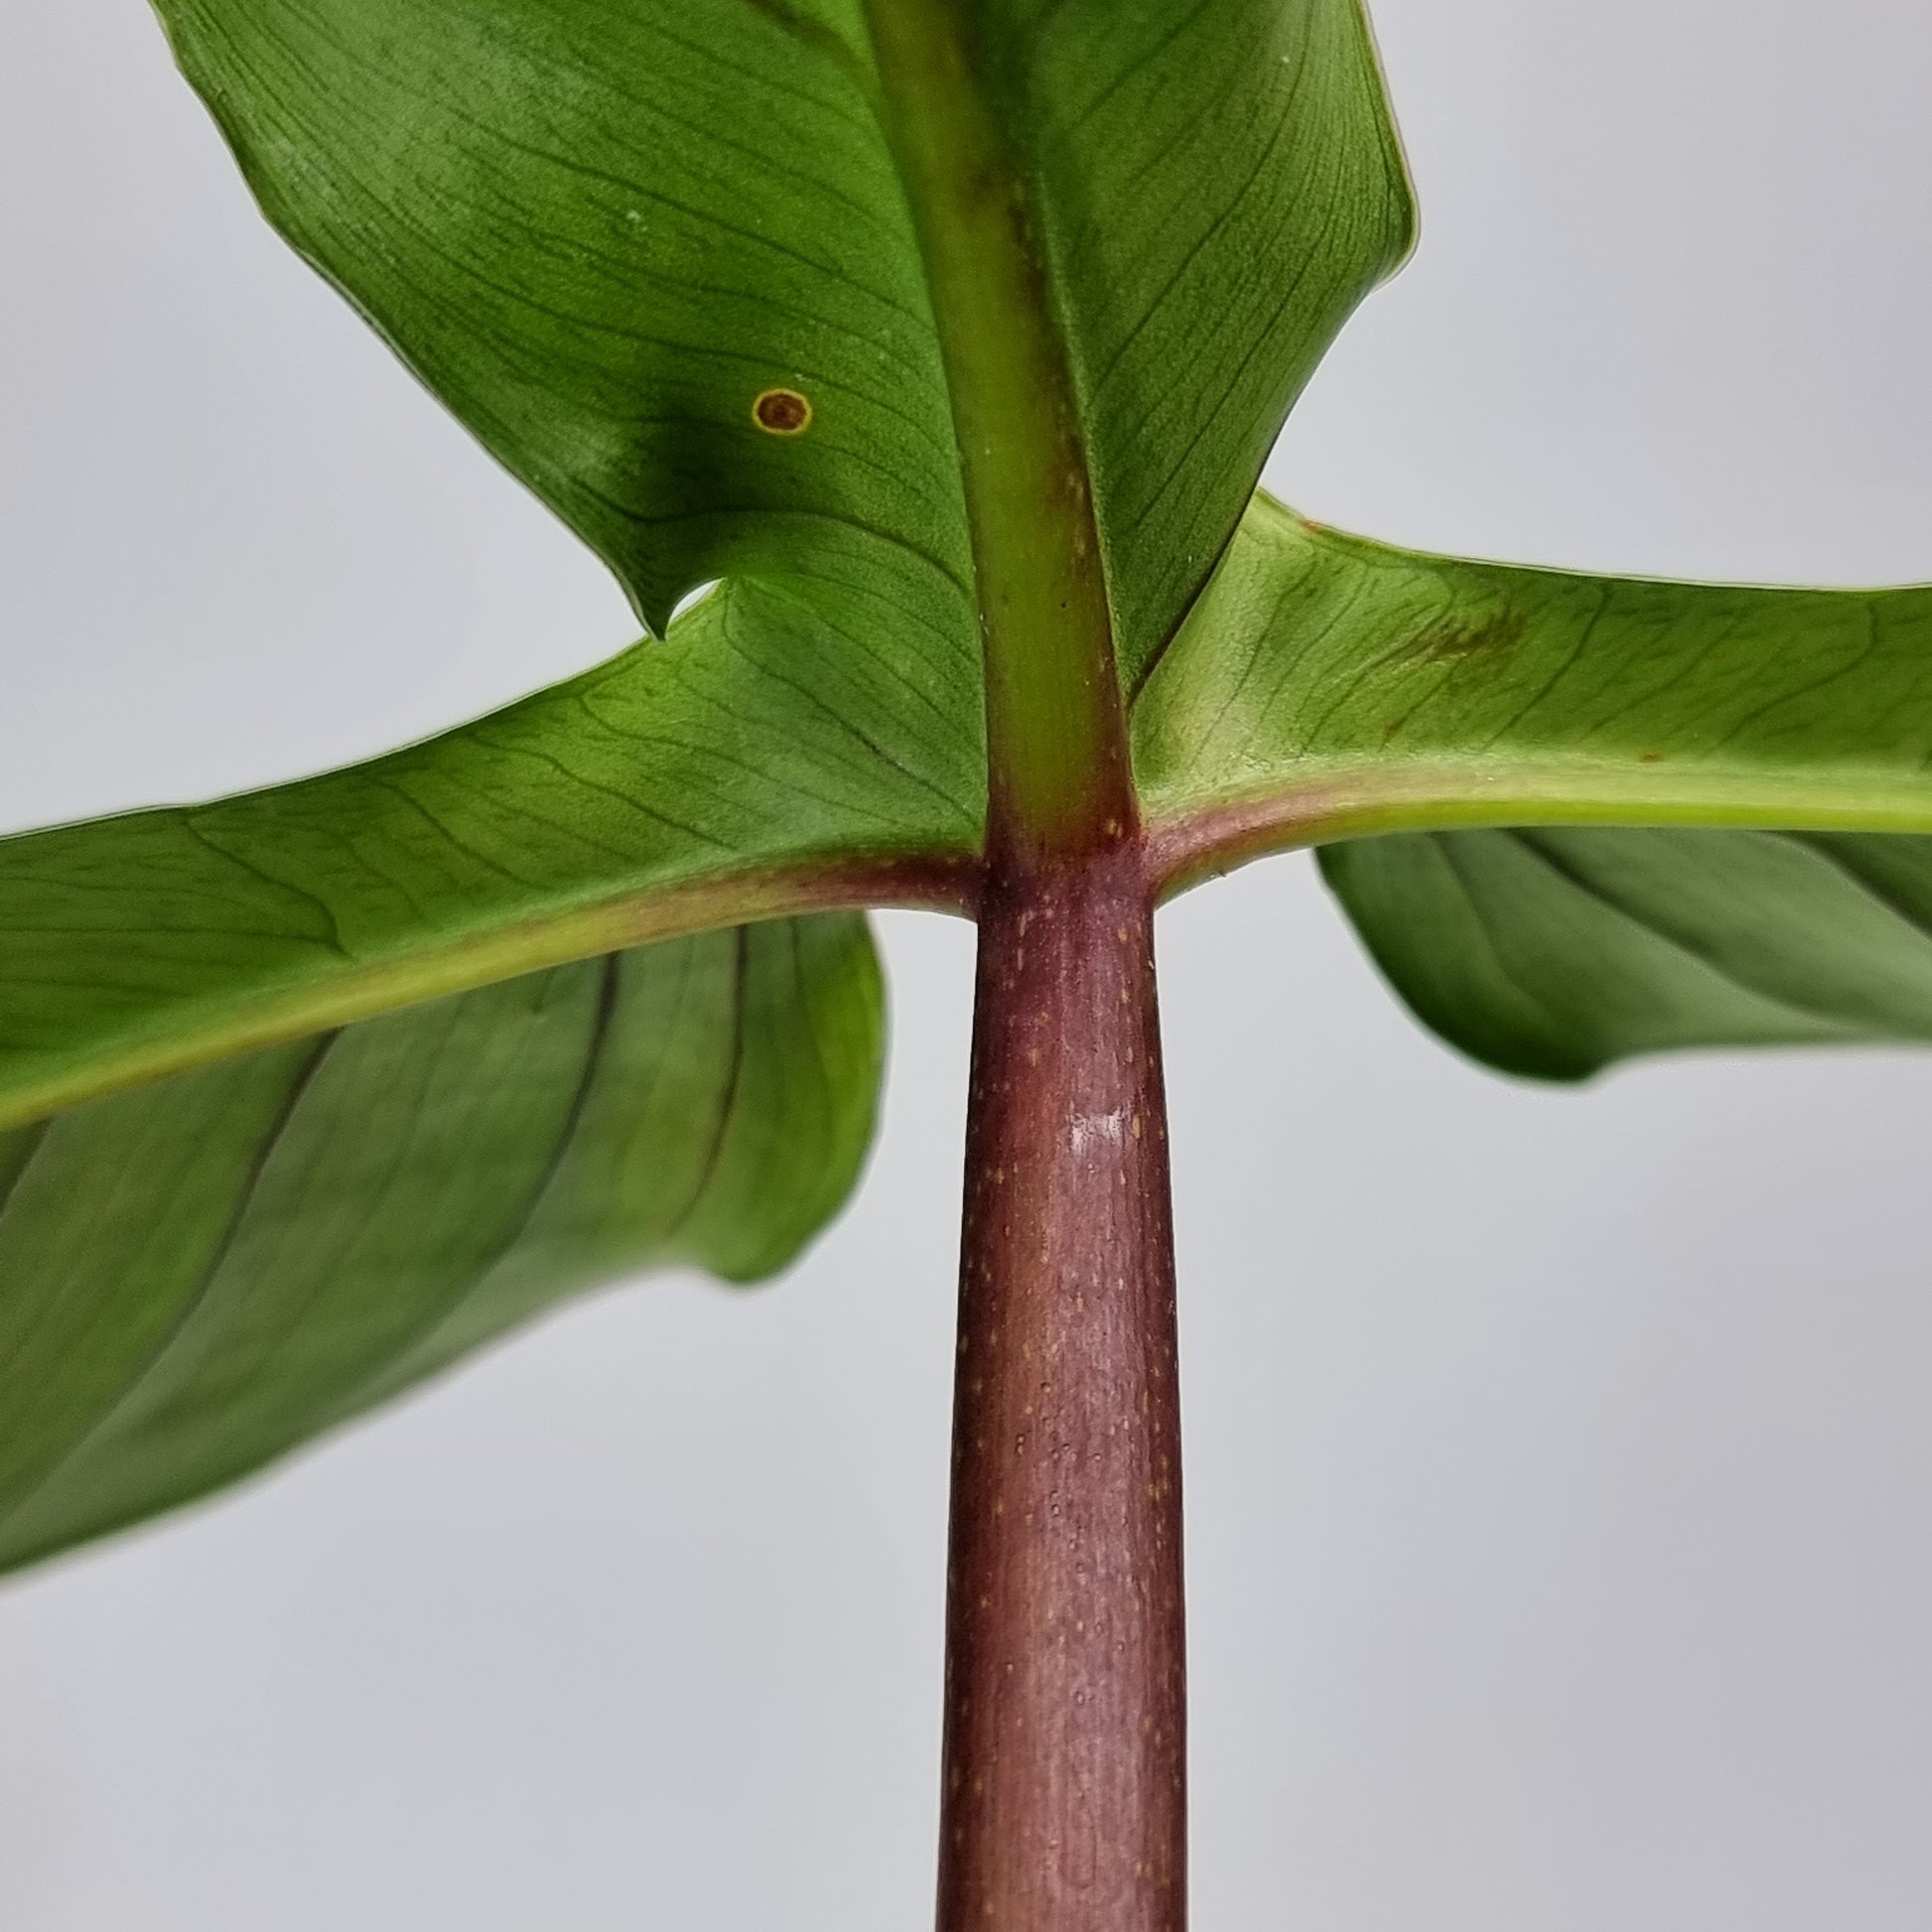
x: 911, y: 364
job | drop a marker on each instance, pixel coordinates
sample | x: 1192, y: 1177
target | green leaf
x: 197, y: 1274
x: 905, y: 320
x: 1326, y: 686
x: 1555, y: 952
x: 601, y: 229
x: 1220, y: 184
x: 600, y: 232
x: 764, y: 760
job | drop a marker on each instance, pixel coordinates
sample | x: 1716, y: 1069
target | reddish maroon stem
x: 1064, y: 1807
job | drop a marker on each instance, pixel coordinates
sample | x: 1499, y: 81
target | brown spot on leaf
x: 1455, y: 642
x: 782, y: 412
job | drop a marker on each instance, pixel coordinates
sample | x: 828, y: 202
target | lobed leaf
x: 662, y: 260
x: 198, y: 1275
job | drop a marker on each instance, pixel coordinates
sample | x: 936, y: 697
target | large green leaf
x: 600, y: 232
x: 1328, y: 686
x: 900, y: 318
x: 599, y: 229
x: 198, y: 1273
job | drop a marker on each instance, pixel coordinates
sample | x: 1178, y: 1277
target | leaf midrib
x: 1059, y: 776
x: 1192, y: 838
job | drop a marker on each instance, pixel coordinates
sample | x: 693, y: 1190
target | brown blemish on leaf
x: 1491, y: 637
x: 781, y: 412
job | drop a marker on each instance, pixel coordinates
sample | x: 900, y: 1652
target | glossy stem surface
x: 1063, y: 1801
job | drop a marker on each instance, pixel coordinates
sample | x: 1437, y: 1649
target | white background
x: 1561, y: 1464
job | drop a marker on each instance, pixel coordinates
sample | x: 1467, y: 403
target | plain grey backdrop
x: 1560, y: 1462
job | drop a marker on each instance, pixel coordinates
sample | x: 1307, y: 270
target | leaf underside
x: 203, y: 1272
x: 733, y: 771
x: 1553, y: 952
x: 1329, y: 685
x: 241, y: 1206
x: 303, y: 1094
x: 599, y: 229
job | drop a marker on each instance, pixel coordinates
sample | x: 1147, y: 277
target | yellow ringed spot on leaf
x: 782, y: 412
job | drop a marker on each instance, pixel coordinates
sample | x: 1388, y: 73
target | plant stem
x: 1064, y: 1804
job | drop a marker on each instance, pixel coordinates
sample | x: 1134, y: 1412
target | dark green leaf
x: 601, y: 229
x: 668, y: 260
x: 1220, y: 185
x: 1553, y: 952
x: 199, y: 1274
x: 601, y: 232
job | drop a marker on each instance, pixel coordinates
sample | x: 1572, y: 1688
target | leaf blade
x: 599, y: 232
x: 1221, y: 186
x: 1327, y: 686
x: 1488, y: 725
x: 200, y: 1274
x: 1556, y: 953
x: 742, y: 768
